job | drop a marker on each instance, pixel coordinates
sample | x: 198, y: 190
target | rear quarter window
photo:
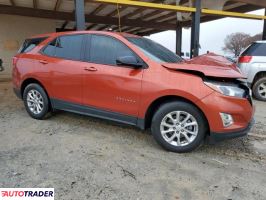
x: 30, y: 44
x: 255, y: 49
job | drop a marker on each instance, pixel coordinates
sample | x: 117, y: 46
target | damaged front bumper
x: 217, y: 137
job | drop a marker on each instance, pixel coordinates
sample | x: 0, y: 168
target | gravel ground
x: 87, y: 158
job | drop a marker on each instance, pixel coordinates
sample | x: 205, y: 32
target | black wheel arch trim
x: 30, y: 80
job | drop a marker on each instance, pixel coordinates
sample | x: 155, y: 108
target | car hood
x: 213, y: 60
x: 207, y: 70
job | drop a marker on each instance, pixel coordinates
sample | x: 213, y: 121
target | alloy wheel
x: 262, y: 90
x: 35, y: 102
x: 179, y: 128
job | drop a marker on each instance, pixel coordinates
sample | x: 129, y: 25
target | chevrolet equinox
x: 132, y: 80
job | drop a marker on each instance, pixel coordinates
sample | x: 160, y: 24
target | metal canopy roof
x: 103, y: 16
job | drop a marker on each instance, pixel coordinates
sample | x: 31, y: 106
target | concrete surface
x: 87, y: 158
x: 14, y: 30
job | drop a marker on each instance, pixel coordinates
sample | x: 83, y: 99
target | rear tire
x: 259, y: 89
x: 36, y: 101
x: 179, y: 127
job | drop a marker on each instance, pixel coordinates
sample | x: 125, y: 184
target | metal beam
x: 114, y: 12
x: 58, y: 15
x: 178, y: 39
x: 63, y: 27
x: 91, y: 26
x: 98, y: 9
x: 139, y: 31
x: 80, y: 14
x: 151, y: 14
x: 264, y: 29
x: 232, y: 14
x: 137, y: 11
x: 147, y: 33
x: 103, y: 27
x: 261, y: 3
x: 166, y: 7
x: 178, y: 43
x: 195, y: 30
x: 208, y: 18
x: 146, y: 5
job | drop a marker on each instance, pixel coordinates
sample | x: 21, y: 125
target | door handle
x: 43, y: 62
x: 91, y: 69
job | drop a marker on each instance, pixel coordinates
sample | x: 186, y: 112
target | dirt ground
x: 88, y: 158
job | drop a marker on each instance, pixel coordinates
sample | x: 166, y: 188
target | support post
x: 178, y: 33
x: 264, y: 28
x: 195, y: 30
x: 178, y: 38
x: 80, y: 15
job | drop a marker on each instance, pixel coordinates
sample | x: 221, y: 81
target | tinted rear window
x: 68, y: 47
x: 50, y: 48
x: 256, y: 49
x: 29, y: 44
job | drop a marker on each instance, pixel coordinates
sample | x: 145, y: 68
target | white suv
x: 252, y: 63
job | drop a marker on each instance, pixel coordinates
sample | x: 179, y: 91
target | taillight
x: 244, y: 59
x: 14, y: 61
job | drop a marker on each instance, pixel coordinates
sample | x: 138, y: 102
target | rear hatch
x: 30, y: 44
x: 27, y: 46
x: 253, y: 56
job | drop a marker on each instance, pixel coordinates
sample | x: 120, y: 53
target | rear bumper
x: 216, y: 137
x: 17, y: 92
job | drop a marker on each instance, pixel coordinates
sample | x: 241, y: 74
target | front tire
x: 36, y: 101
x: 179, y: 126
x: 259, y: 89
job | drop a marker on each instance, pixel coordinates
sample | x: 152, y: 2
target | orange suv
x: 132, y: 80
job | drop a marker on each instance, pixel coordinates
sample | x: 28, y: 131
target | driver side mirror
x: 131, y: 61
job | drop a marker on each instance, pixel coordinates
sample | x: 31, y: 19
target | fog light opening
x: 227, y: 119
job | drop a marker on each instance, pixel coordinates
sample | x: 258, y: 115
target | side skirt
x: 95, y: 112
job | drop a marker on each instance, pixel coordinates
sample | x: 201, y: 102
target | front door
x: 107, y: 86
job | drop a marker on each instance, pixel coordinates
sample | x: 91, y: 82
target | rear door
x: 62, y: 59
x: 108, y: 86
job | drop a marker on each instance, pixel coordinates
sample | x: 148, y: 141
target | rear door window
x: 68, y: 47
x: 29, y: 44
x: 49, y: 50
x: 256, y: 49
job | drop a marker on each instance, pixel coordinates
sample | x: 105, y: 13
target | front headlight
x: 228, y: 89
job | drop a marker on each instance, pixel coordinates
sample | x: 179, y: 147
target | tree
x: 236, y: 42
x: 254, y: 38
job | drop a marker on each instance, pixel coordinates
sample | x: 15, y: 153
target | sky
x: 212, y: 34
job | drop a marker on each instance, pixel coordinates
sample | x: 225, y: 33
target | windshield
x: 154, y: 51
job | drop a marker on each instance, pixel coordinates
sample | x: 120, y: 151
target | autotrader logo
x: 27, y: 193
